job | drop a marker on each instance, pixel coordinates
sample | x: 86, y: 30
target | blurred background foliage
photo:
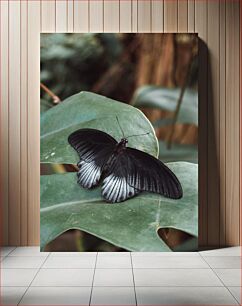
x: 157, y: 73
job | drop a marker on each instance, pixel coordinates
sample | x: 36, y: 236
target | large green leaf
x: 178, y: 152
x: 45, y: 105
x: 166, y: 99
x: 132, y: 225
x: 88, y: 110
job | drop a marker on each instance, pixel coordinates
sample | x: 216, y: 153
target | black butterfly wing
x: 134, y: 171
x: 94, y: 148
x: 115, y: 187
x: 150, y: 174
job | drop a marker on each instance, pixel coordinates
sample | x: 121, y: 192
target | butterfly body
x: 125, y: 171
x: 121, y: 145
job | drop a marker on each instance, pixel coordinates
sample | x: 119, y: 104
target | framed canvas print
x: 119, y: 135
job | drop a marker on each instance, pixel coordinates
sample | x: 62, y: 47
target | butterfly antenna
x: 139, y: 135
x: 120, y: 127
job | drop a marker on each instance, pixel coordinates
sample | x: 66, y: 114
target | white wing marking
x: 89, y: 174
x: 115, y: 189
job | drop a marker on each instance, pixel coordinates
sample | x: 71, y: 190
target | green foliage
x: 45, y: 105
x: 181, y: 152
x: 132, y: 225
x: 166, y: 99
x: 88, y: 110
x: 74, y: 62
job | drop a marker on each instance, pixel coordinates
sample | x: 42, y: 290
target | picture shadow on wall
x: 209, y: 176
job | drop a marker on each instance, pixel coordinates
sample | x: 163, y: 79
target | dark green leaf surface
x: 166, y: 99
x: 132, y: 224
x: 178, y: 152
x: 45, y: 105
x: 88, y: 110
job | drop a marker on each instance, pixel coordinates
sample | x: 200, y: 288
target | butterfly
x: 125, y: 171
